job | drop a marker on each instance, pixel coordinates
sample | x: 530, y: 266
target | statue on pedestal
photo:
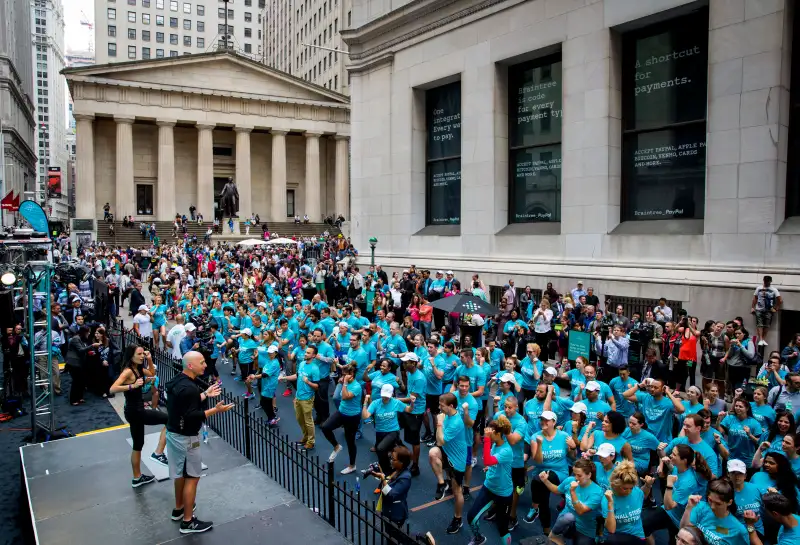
x: 229, y: 198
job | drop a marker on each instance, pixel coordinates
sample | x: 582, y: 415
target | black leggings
x: 622, y: 539
x: 266, y: 404
x: 488, y: 500
x: 540, y: 495
x: 137, y: 420
x: 350, y: 424
x: 384, y: 443
x: 658, y: 519
x: 736, y: 376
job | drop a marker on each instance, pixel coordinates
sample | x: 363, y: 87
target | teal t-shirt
x: 518, y: 425
x: 378, y: 379
x: 247, y: 350
x: 789, y: 536
x: 618, y: 388
x: 359, y: 358
x: 627, y: 513
x: 455, y: 443
x: 594, y: 407
x: 618, y: 442
x: 657, y: 414
x: 433, y: 384
x: 718, y: 531
x: 688, y: 484
x: 474, y: 407
x: 740, y: 445
x: 415, y: 383
x: 351, y: 407
x: 602, y: 475
x: 159, y: 315
x: 385, y: 414
x: 749, y: 499
x: 701, y: 448
x: 527, y: 366
x: 476, y: 374
x: 764, y: 414
x: 498, y: 476
x: 641, y: 445
x: 271, y: 368
x: 311, y: 371
x: 533, y: 409
x: 591, y: 496
x: 554, y: 454
x: 448, y: 364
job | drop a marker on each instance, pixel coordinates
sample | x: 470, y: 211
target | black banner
x: 444, y: 197
x: 535, y: 102
x: 536, y: 184
x: 443, y: 117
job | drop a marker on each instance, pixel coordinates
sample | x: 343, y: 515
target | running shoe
x: 431, y: 444
x: 441, y: 491
x: 287, y: 393
x: 490, y: 515
x: 512, y: 524
x: 177, y: 514
x: 368, y: 421
x: 233, y: 372
x: 455, y: 526
x: 466, y: 493
x: 474, y: 461
x: 195, y: 526
x: 533, y: 514
x: 142, y: 480
x: 237, y: 378
x: 160, y: 458
x: 274, y: 422
x: 427, y: 438
x: 248, y: 395
x: 348, y: 470
x: 334, y: 454
x: 478, y: 540
x: 358, y: 435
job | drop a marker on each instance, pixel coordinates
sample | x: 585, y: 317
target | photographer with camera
x: 394, y: 491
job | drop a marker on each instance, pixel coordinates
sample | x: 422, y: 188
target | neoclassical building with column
x: 157, y: 136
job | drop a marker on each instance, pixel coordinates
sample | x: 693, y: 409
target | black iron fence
x: 307, y: 478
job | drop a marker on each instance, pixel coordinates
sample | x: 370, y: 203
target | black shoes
x: 441, y: 491
x: 177, y: 514
x: 160, y: 458
x: 142, y: 480
x: 195, y: 526
x: 455, y: 526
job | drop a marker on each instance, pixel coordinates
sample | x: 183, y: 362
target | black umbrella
x: 465, y: 303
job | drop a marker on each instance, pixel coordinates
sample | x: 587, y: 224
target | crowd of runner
x: 614, y: 445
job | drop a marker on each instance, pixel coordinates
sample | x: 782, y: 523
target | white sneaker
x: 347, y: 470
x: 474, y: 461
x: 334, y: 454
x: 762, y: 342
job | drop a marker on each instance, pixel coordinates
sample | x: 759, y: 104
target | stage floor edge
x: 78, y: 491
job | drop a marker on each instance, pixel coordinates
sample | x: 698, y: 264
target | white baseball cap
x: 450, y: 272
x: 593, y: 386
x: 548, y: 415
x: 409, y: 356
x: 190, y: 327
x: 551, y: 371
x: 272, y: 349
x: 246, y: 331
x: 387, y: 390
x: 736, y: 466
x: 508, y: 377
x: 262, y: 304
x: 579, y: 408
x: 606, y: 449
x: 143, y: 307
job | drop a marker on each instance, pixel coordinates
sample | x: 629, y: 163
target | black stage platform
x: 79, y: 492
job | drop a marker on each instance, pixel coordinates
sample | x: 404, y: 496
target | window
x: 144, y: 199
x: 112, y: 50
x: 111, y: 13
x: 112, y: 30
x: 201, y: 26
x: 290, y: 212
x: 145, y: 35
x: 173, y: 39
x: 146, y: 18
x: 173, y: 22
x: 221, y: 13
x: 187, y: 41
x: 325, y: 63
x: 159, y: 4
x: 160, y: 37
x: 336, y: 25
x: 248, y: 33
x: 145, y: 52
x: 793, y: 165
x: 336, y: 82
x: 131, y: 16
x: 159, y: 53
x: 248, y: 3
x: 248, y: 48
x: 349, y: 20
x: 201, y: 42
x: 248, y: 17
x: 131, y: 2
x: 187, y: 24
x: 534, y: 138
x: 131, y: 51
x: 664, y: 83
x: 145, y: 3
x: 443, y: 154
x: 159, y: 20
x: 173, y: 53
x: 131, y: 33
x: 201, y: 10
x: 187, y: 7
x: 173, y: 5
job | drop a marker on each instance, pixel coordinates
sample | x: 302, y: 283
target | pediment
x: 226, y: 72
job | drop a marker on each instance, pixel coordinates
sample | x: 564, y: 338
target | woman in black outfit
x: 130, y: 382
x: 77, y: 351
x: 394, y: 489
x: 101, y: 363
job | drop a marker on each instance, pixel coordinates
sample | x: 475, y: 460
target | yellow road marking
x: 112, y: 428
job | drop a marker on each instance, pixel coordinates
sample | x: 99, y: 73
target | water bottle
x: 358, y: 487
x: 205, y: 433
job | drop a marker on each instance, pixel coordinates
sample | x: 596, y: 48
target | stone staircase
x: 125, y: 236
x: 291, y: 229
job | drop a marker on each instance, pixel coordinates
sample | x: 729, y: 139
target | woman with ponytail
x: 716, y: 517
x: 584, y: 498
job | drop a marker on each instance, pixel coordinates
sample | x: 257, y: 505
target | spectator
x: 766, y: 302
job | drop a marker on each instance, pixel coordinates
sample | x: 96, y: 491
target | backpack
x: 755, y: 359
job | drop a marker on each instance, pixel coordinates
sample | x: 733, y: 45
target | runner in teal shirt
x: 624, y: 499
x: 742, y: 431
x: 642, y: 442
x: 718, y: 525
x: 746, y: 495
x: 584, y: 490
x: 619, y: 385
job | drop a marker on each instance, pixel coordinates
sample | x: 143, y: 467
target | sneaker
x: 274, y: 422
x: 160, y: 458
x: 474, y: 461
x: 465, y: 492
x: 195, y: 526
x: 512, y: 524
x: 142, y: 480
x: 431, y: 444
x: 358, y: 435
x: 455, y: 526
x: 441, y: 491
x: 478, y: 540
x: 237, y: 378
x: 368, y: 421
x: 762, y: 342
x: 248, y: 395
x: 533, y: 514
x: 490, y: 515
x: 287, y: 393
x: 334, y: 454
x: 233, y: 374
x: 307, y: 448
x: 427, y: 438
x: 177, y: 514
x: 348, y: 470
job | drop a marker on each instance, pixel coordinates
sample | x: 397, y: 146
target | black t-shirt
x: 184, y: 407
x: 592, y: 300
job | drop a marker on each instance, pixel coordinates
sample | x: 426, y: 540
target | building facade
x: 302, y: 37
x: 75, y: 59
x: 17, y: 112
x: 155, y: 137
x: 149, y: 29
x: 646, y: 148
x: 47, y: 26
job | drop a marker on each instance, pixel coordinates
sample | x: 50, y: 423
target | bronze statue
x: 229, y: 198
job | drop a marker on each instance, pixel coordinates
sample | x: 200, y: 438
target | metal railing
x: 639, y: 304
x: 307, y: 478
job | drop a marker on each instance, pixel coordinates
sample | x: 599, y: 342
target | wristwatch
x: 750, y: 528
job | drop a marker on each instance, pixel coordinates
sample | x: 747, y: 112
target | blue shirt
x: 448, y: 364
x: 619, y: 387
x: 616, y: 350
x: 159, y: 315
x: 474, y: 407
x: 310, y: 371
x: 740, y: 445
x: 324, y: 350
x: 359, y: 358
x: 247, y: 350
x: 433, y: 384
x: 749, y: 499
x: 602, y: 475
x: 590, y: 496
x: 627, y: 513
x: 496, y: 357
x: 352, y: 406
x: 594, y: 407
x: 641, y: 445
x: 764, y: 414
x: 701, y: 448
x: 218, y: 339
x: 617, y: 442
x: 688, y: 484
x: 554, y: 454
x: 789, y: 536
x: 707, y: 522
x: 533, y: 409
x: 518, y: 425
x: 378, y: 379
x: 455, y: 442
x: 416, y: 384
x: 498, y: 476
x: 385, y: 414
x: 476, y: 374
x: 657, y: 414
x: 529, y: 382
x: 395, y: 344
x: 270, y: 368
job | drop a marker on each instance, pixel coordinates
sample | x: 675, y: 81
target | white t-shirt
x: 543, y: 320
x: 174, y: 337
x: 766, y: 298
x: 145, y: 327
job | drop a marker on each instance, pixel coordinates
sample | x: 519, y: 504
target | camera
x: 374, y: 467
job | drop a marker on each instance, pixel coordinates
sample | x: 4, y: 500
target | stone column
x: 342, y: 182
x: 279, y: 175
x: 84, y: 184
x: 312, y: 205
x: 205, y: 171
x: 125, y: 198
x: 242, y: 180
x: 165, y: 206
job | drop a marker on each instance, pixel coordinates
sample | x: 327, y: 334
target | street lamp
x: 372, y: 243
